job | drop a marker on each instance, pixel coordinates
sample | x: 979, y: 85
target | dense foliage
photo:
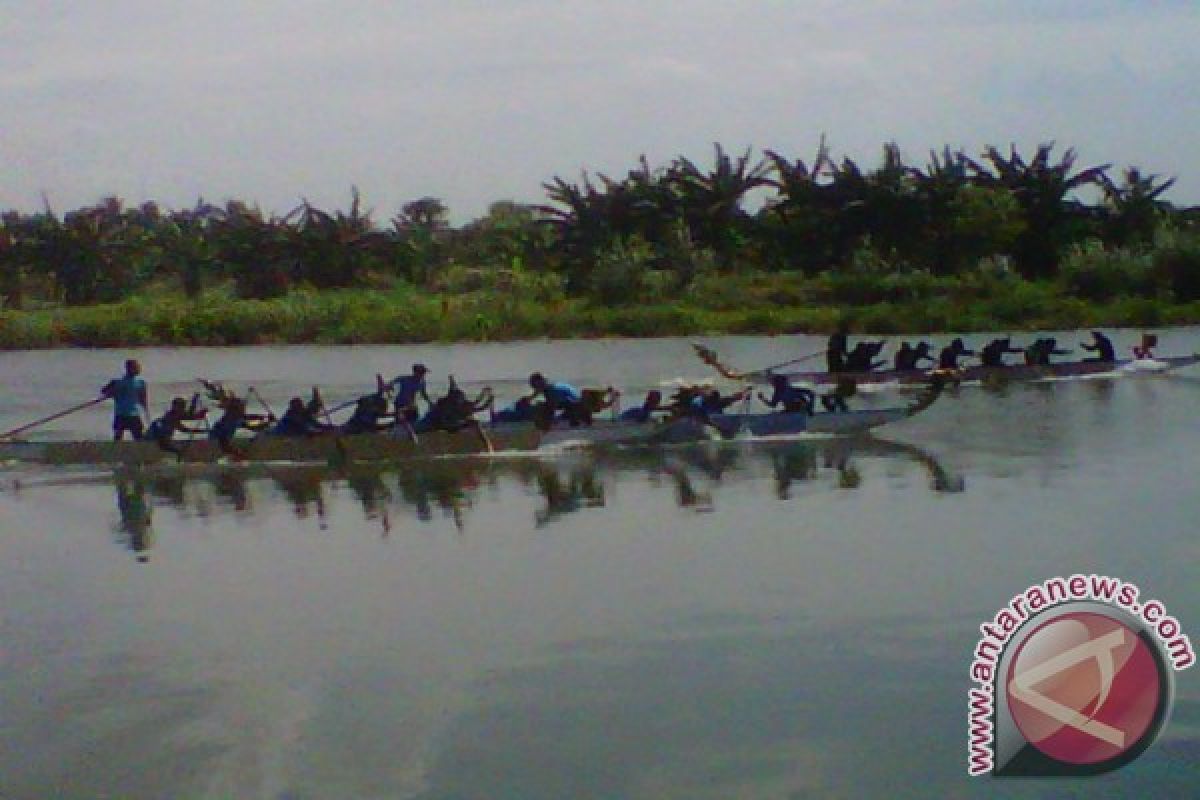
x: 655, y: 233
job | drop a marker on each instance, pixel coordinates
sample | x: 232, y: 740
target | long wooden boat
x: 1012, y: 372
x: 393, y: 446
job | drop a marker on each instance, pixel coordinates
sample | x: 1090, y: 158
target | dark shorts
x: 131, y: 424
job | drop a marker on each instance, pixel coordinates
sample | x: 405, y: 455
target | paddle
x: 710, y: 357
x: 252, y: 391
x: 51, y: 418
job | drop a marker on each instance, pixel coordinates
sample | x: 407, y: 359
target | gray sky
x: 473, y: 101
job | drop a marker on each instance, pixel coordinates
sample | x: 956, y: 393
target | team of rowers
x: 862, y: 358
x: 395, y: 406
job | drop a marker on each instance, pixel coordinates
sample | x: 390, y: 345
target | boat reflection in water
x: 450, y: 488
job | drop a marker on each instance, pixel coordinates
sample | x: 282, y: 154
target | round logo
x: 1085, y: 689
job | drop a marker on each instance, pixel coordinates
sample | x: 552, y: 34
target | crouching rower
x: 992, y: 354
x: 232, y: 420
x: 948, y: 358
x: 369, y: 416
x: 645, y: 412
x: 455, y: 412
x: 162, y: 430
x: 1102, y: 346
x: 300, y: 419
x: 1038, y: 354
x: 793, y: 399
x: 519, y: 411
x: 909, y: 358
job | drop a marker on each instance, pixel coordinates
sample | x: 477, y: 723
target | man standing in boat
x: 407, y: 389
x: 128, y: 393
x: 837, y: 349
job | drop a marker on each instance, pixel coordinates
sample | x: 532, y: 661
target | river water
x: 777, y: 620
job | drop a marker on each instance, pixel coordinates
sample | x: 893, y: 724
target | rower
x: 835, y: 351
x: 519, y: 411
x: 644, y: 412
x: 909, y: 358
x: 861, y: 358
x: 992, y: 353
x: 368, y: 414
x: 948, y: 359
x: 713, y: 402
x: 300, y: 419
x: 1102, y: 346
x: 794, y: 399
x: 233, y: 419
x: 562, y: 397
x: 454, y: 412
x: 127, y: 393
x: 1038, y: 354
x: 407, y: 389
x: 162, y: 430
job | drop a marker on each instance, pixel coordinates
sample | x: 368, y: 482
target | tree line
x: 599, y: 234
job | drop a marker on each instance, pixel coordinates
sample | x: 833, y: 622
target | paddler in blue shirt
x: 407, y: 389
x: 128, y: 393
x: 560, y: 397
x: 644, y: 412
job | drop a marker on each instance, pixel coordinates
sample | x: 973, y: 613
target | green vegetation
x: 960, y: 244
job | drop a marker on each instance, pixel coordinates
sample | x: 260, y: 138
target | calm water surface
x: 777, y: 620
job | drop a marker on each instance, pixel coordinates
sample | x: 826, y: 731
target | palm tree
x: 419, y: 229
x: 1041, y: 188
x: 800, y: 211
x: 1133, y: 208
x: 711, y: 202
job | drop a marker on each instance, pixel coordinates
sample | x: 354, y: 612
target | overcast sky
x: 472, y: 101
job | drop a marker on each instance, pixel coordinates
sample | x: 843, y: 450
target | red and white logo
x: 1084, y: 688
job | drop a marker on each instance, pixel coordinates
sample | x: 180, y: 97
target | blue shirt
x: 561, y: 394
x: 126, y: 394
x: 407, y: 388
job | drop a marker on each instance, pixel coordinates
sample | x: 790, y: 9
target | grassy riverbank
x: 755, y: 303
